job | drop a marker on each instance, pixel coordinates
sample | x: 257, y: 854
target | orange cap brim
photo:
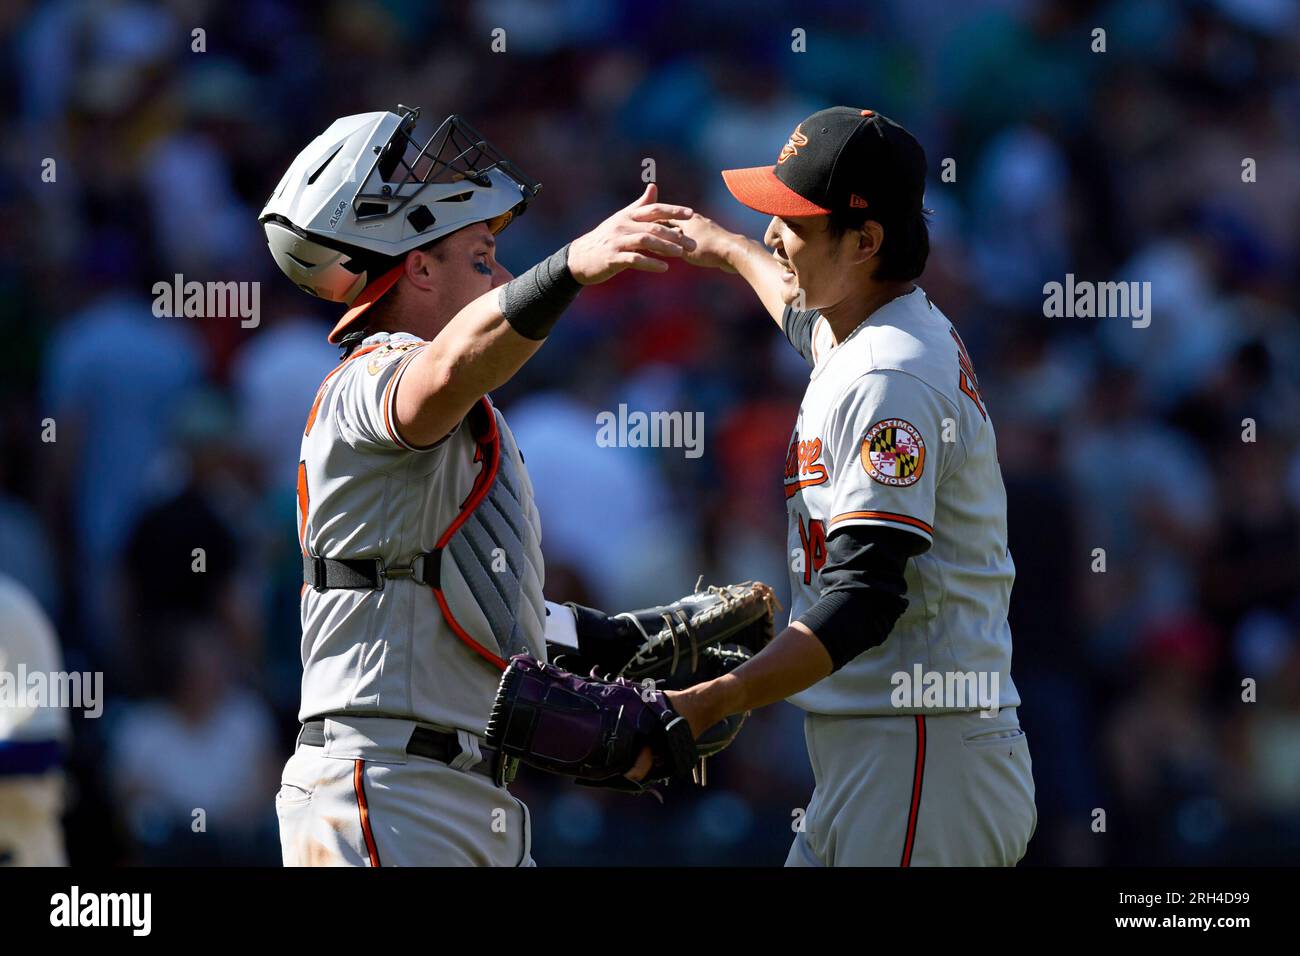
x: 758, y: 188
x: 369, y: 295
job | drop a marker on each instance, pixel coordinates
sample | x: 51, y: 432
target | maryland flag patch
x: 893, y: 453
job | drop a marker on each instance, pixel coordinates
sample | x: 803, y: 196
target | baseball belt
x: 433, y: 744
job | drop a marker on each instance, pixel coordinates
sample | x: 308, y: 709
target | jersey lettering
x: 803, y: 467
x: 968, y: 383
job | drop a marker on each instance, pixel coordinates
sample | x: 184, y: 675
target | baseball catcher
x: 411, y: 491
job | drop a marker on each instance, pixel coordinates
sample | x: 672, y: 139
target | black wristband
x: 533, y: 302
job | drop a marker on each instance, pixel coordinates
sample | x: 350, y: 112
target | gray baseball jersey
x: 892, y: 431
x: 364, y: 492
x: 381, y: 661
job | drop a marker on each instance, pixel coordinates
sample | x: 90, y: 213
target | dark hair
x: 907, y: 240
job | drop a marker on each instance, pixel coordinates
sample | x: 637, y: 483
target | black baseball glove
x: 674, y: 646
x: 588, y: 728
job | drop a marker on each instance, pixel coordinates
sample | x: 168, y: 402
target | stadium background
x: 183, y: 433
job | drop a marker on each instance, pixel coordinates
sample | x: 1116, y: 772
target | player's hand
x: 712, y: 243
x: 692, y: 704
x: 644, y: 761
x: 639, y: 236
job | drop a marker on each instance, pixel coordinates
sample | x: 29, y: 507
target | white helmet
x: 364, y: 193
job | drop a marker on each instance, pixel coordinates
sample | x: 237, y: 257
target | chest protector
x: 489, y: 569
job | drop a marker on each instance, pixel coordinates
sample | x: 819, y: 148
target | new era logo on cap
x: 839, y: 158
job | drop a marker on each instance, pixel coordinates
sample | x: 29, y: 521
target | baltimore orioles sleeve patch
x: 893, y: 452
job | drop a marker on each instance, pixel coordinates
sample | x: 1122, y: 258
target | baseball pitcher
x: 898, y: 646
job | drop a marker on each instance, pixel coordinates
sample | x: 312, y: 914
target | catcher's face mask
x: 456, y: 155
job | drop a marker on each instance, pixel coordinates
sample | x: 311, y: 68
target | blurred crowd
x: 1156, y: 612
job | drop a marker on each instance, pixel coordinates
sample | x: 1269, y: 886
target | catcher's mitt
x: 701, y: 637
x: 587, y: 728
x: 680, y: 640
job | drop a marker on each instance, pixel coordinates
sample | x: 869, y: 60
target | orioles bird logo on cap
x: 791, y: 147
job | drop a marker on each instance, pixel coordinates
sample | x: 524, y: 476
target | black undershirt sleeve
x: 862, y: 589
x: 798, y: 328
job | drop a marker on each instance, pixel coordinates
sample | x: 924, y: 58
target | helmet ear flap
x: 334, y: 273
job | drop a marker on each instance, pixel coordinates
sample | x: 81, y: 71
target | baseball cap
x: 838, y: 158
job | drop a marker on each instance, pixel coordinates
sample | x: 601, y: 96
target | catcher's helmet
x: 365, y: 192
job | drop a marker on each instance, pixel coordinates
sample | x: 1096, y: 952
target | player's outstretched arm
x: 719, y: 248
x: 490, y: 339
x: 793, y: 662
x: 863, y: 585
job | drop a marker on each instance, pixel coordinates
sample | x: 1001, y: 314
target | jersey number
x: 813, y: 541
